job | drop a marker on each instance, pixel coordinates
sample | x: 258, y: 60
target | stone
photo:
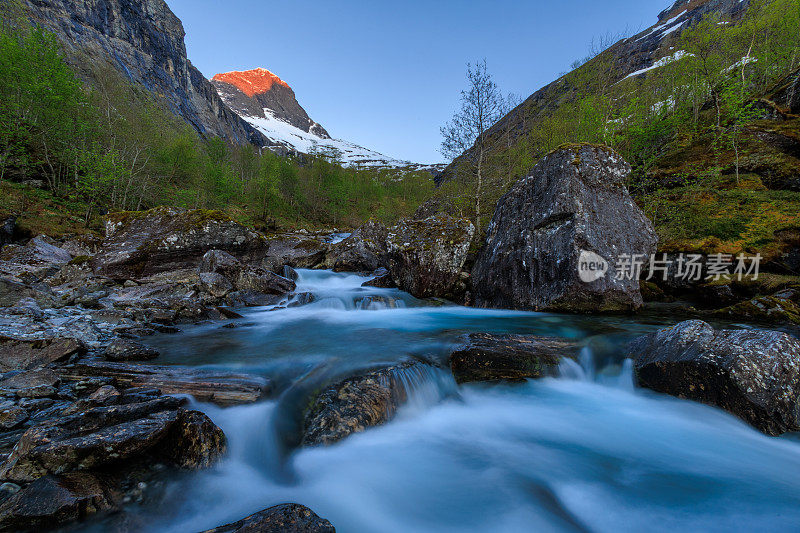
x: 23, y: 354
x: 363, y: 251
x: 194, y: 441
x: 204, y: 385
x: 287, y: 517
x: 142, y: 243
x: 31, y: 384
x: 51, y: 501
x: 750, y: 373
x: 12, y: 416
x: 91, y: 439
x: 572, y: 210
x: 37, y: 258
x: 779, y: 308
x: 426, y: 256
x: 383, y: 279
x: 262, y: 281
x: 357, y: 403
x: 486, y: 357
x: 12, y: 291
x: 128, y: 350
x: 220, y: 262
x: 295, y: 250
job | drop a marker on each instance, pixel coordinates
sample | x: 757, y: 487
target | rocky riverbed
x: 180, y: 348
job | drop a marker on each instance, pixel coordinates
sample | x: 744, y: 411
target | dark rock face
x: 750, y: 373
x: 53, y: 500
x: 486, y: 357
x: 426, y: 256
x: 363, y: 251
x: 143, y: 41
x: 383, y: 279
x: 287, y: 517
x: 221, y: 272
x: 573, y: 206
x: 140, y: 244
x: 194, y: 441
x: 127, y: 350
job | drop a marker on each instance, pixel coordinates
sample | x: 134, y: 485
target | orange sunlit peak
x: 251, y: 82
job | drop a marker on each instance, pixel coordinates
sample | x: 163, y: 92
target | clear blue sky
x: 386, y: 75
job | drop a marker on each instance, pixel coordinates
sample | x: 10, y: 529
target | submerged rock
x: 750, y: 373
x: 383, y: 279
x: 426, y: 256
x: 572, y: 206
x: 486, y: 357
x: 141, y: 243
x: 287, y: 517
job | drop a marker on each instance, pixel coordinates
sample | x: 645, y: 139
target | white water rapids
x: 584, y: 451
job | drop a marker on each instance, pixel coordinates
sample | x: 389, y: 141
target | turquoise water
x: 581, y: 451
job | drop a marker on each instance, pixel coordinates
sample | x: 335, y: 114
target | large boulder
x: 363, y: 251
x: 753, y: 374
x: 103, y: 436
x: 487, y: 357
x: 141, y: 243
x: 297, y: 250
x: 287, y: 517
x: 573, y: 209
x: 51, y: 501
x: 426, y: 256
x: 39, y: 258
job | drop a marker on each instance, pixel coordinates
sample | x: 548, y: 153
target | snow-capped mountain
x: 269, y: 104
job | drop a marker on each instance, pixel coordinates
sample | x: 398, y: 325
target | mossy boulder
x: 572, y: 210
x: 142, y: 243
x: 426, y: 256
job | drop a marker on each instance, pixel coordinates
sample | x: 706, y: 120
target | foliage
x: 115, y: 147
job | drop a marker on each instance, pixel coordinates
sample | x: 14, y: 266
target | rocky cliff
x: 144, y: 41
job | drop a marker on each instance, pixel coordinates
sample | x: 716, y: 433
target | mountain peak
x: 251, y: 82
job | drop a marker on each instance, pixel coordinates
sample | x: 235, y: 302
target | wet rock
x: 139, y: 244
x: 278, y: 519
x: 31, y: 384
x: 194, y: 441
x: 127, y: 350
x: 363, y: 251
x: 300, y: 299
x: 357, y: 403
x: 426, y: 256
x: 51, y: 501
x: 383, y: 279
x: 262, y: 281
x: 12, y: 416
x: 220, y: 262
x: 205, y: 385
x: 92, y: 439
x: 38, y: 258
x: 750, y: 373
x: 294, y: 250
x: 23, y: 354
x: 12, y: 291
x: 486, y: 357
x: 573, y: 204
x: 102, y: 397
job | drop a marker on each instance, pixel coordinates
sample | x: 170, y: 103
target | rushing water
x: 583, y: 451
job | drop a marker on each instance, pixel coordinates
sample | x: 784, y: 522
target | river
x: 580, y: 451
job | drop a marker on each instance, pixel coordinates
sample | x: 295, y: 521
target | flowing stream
x: 580, y: 451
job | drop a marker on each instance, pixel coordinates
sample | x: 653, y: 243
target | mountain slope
x: 144, y: 41
x: 269, y: 104
x: 629, y: 57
